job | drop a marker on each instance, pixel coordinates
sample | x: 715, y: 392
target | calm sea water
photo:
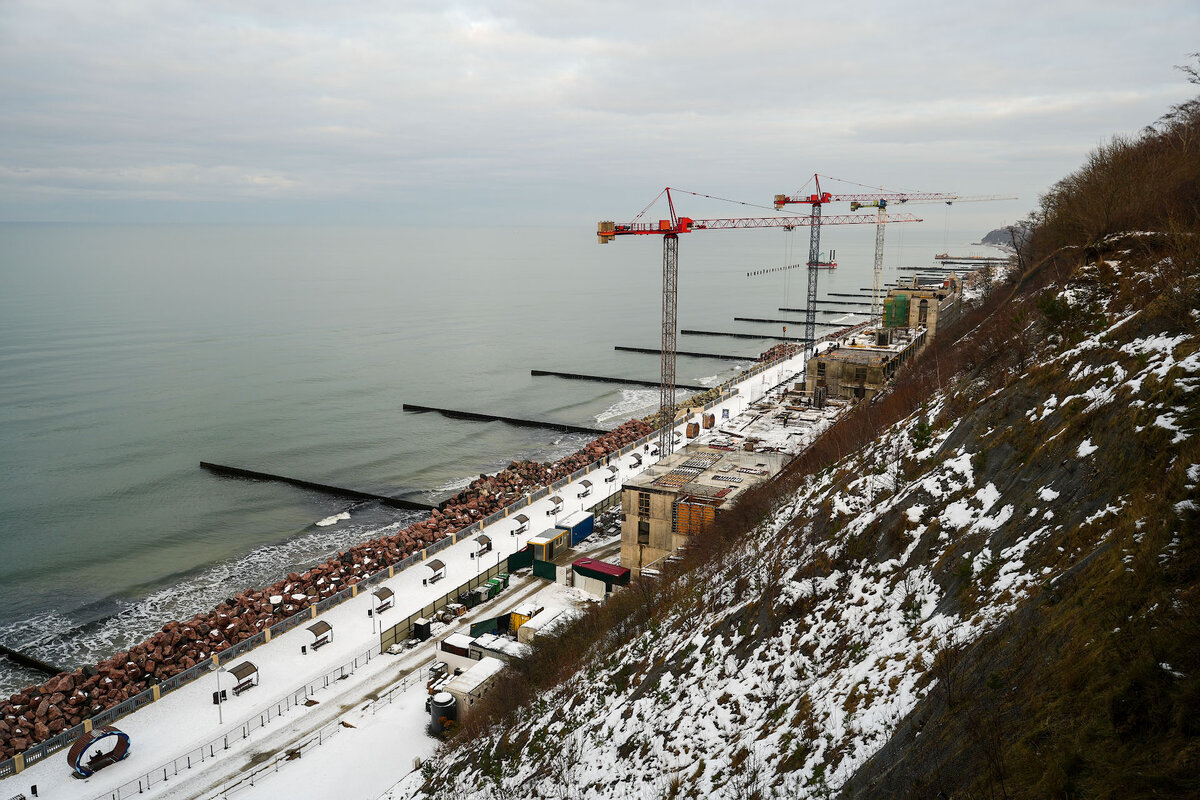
x: 130, y: 354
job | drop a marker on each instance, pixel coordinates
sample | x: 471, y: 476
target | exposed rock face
x: 37, y: 713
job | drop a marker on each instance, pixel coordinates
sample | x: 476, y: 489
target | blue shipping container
x: 580, y: 526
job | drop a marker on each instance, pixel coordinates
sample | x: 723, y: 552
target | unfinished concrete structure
x: 861, y: 365
x: 681, y: 495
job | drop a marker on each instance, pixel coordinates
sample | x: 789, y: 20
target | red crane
x: 877, y: 200
x: 670, y: 229
x: 816, y: 201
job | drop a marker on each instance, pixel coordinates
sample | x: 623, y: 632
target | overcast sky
x: 503, y: 113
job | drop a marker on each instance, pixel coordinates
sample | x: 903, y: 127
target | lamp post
x: 374, y: 613
x: 220, y: 711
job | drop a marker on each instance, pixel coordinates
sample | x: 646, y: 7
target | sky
x: 545, y: 113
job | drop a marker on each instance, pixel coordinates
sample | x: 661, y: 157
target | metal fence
x: 220, y: 744
x: 255, y: 776
x: 403, y: 630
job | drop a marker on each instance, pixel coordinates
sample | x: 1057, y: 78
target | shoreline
x: 38, y: 713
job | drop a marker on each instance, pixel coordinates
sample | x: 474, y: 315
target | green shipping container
x: 895, y: 311
x: 485, y: 626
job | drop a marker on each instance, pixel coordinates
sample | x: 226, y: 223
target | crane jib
x: 687, y: 225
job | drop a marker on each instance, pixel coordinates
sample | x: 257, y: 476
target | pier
x: 744, y: 335
x: 324, y: 488
x: 692, y: 354
x: 25, y: 660
x: 604, y: 379
x: 477, y: 416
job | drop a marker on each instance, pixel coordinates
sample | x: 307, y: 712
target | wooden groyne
x: 827, y: 303
x: 691, y: 354
x: 604, y: 379
x: 744, y: 335
x: 324, y: 488
x: 26, y: 660
x: 784, y: 321
x: 478, y: 416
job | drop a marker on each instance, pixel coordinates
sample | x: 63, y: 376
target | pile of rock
x: 38, y: 712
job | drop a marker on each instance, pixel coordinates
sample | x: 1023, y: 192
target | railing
x: 258, y: 774
x: 208, y: 750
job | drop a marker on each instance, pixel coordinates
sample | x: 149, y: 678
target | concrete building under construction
x: 861, y: 365
x: 923, y: 306
x: 681, y: 495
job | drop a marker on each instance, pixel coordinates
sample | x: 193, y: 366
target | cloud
x: 507, y: 107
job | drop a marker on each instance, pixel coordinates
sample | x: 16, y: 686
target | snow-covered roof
x: 502, y: 644
x: 527, y: 609
x: 547, y: 536
x: 572, y: 520
x: 542, y: 618
x: 476, y: 676
x: 458, y: 640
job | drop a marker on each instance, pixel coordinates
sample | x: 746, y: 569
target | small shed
x: 613, y: 473
x: 555, y: 505
x: 522, y: 524
x: 246, y: 676
x: 598, y: 577
x: 579, y: 526
x: 547, y: 543
x: 384, y: 598
x: 322, y: 633
x: 437, y: 571
x: 523, y: 613
x: 475, y: 682
x: 499, y: 647
x: 455, y: 650
x: 585, y: 487
x: 483, y: 544
x: 528, y: 632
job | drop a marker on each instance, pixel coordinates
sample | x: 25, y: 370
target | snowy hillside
x: 784, y: 666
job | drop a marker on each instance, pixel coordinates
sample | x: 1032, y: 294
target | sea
x: 129, y: 354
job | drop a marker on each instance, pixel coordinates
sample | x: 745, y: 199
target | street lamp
x: 220, y: 711
x: 374, y: 613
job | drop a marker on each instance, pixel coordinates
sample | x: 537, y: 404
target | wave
x: 632, y: 401
x: 335, y: 519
